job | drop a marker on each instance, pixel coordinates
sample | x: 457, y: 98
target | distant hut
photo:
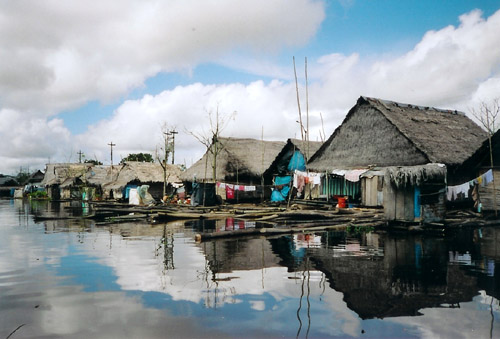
x: 8, y: 184
x: 34, y: 182
x: 132, y: 174
x: 292, y: 157
x: 36, y: 178
x: 96, y: 177
x: 378, y: 134
x: 239, y: 165
x: 64, y: 180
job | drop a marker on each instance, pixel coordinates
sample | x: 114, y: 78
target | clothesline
x: 454, y: 192
x: 246, y: 188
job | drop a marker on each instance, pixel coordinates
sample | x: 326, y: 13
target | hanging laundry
x: 229, y: 192
x: 315, y: 178
x: 458, y: 192
x: 353, y: 175
x: 229, y: 224
x: 487, y: 177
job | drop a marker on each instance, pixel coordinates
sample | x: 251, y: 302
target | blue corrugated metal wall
x: 337, y: 185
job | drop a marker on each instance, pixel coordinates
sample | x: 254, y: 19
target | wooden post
x: 173, y: 133
x: 111, y: 145
x: 298, y: 101
x: 307, y: 116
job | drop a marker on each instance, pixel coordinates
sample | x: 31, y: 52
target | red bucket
x: 342, y: 201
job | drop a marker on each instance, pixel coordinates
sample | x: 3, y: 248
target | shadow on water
x: 380, y: 275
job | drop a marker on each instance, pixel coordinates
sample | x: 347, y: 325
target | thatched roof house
x: 8, y: 184
x: 36, y: 177
x: 67, y: 180
x: 141, y: 173
x: 280, y: 164
x: 8, y: 180
x: 62, y: 179
x: 64, y: 173
x: 239, y: 161
x: 384, y: 133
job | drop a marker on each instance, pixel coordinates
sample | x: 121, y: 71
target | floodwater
x: 78, y: 279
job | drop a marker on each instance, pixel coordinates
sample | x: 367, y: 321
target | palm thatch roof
x: 64, y: 173
x: 385, y: 133
x: 305, y: 146
x: 36, y: 177
x: 111, y: 177
x: 408, y: 176
x: 142, y: 172
x: 242, y: 160
x: 7, y: 180
x: 99, y: 175
x: 286, y: 153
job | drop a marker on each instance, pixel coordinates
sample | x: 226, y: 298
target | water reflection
x: 143, y: 280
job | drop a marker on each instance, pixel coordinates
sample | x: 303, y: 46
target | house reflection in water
x: 380, y: 275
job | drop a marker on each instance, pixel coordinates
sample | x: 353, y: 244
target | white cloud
x: 446, y: 67
x: 63, y: 55
x: 58, y: 56
x: 136, y: 125
x: 31, y: 141
x: 444, y: 322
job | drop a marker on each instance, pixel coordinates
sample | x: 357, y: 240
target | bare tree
x: 487, y: 114
x: 210, y: 139
x: 162, y: 157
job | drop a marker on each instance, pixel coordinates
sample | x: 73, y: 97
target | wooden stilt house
x: 379, y: 134
x: 237, y: 169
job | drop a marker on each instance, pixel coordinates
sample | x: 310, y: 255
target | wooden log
x: 269, y: 217
x: 266, y: 231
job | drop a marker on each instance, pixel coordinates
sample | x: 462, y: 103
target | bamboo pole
x: 307, y: 113
x: 298, y: 101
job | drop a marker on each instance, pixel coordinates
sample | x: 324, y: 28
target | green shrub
x: 38, y: 195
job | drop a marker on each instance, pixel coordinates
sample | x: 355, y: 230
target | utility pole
x: 173, y: 133
x: 111, y: 145
x: 80, y: 153
x: 164, y: 165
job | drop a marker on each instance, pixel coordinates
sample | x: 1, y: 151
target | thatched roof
x: 7, y: 180
x: 142, y: 172
x: 60, y: 173
x: 415, y: 175
x: 66, y: 175
x: 238, y: 159
x: 36, y: 177
x: 287, y: 152
x: 386, y: 133
x: 99, y: 175
x: 304, y: 146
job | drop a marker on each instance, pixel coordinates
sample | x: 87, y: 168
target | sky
x: 75, y: 77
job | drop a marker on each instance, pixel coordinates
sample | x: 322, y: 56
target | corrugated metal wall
x: 337, y: 185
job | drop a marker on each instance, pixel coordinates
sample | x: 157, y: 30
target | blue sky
x: 76, y: 79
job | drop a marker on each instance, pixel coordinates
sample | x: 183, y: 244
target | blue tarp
x: 282, y: 180
x: 297, y: 162
x: 281, y: 194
